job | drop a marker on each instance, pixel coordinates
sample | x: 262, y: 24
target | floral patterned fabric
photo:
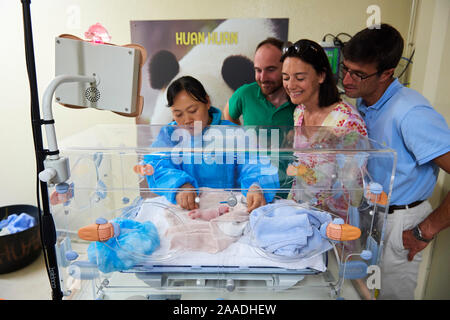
x: 343, y: 115
x: 319, y: 181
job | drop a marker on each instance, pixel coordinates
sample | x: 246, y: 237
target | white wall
x: 430, y: 75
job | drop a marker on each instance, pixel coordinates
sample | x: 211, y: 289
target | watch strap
x: 418, y: 234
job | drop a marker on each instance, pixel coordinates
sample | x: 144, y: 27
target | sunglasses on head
x: 299, y: 47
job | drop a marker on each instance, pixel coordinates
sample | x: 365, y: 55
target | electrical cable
x: 344, y: 33
x: 336, y: 40
x: 328, y: 34
x: 33, y: 89
x: 408, y: 63
x: 47, y: 230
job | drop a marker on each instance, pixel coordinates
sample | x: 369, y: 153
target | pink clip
x: 97, y: 34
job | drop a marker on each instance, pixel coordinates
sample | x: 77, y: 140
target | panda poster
x: 219, y: 53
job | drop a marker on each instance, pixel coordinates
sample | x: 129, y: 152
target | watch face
x: 418, y: 234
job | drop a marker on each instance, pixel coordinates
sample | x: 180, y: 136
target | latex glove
x: 255, y: 198
x: 186, y: 198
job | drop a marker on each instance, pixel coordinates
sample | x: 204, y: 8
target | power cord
x: 407, y: 64
x: 336, y: 40
x: 44, y: 250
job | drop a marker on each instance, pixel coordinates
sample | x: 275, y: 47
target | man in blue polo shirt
x: 403, y: 120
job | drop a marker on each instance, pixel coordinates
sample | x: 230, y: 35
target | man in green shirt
x: 264, y: 102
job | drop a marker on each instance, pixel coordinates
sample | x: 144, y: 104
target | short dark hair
x: 312, y: 53
x: 272, y: 41
x: 383, y: 45
x: 191, y: 85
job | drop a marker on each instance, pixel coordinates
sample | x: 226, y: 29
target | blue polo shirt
x: 402, y: 119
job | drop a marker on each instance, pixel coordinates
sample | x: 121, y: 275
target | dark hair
x: 312, y: 53
x: 384, y: 46
x: 272, y: 41
x: 191, y: 85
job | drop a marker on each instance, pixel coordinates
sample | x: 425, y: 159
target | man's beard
x: 270, y: 88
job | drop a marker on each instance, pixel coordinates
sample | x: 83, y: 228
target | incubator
x: 162, y: 212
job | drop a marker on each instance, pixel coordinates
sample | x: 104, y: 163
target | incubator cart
x: 122, y: 235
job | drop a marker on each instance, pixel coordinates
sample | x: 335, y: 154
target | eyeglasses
x: 355, y: 75
x: 299, y: 47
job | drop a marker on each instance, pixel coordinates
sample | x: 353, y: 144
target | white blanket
x: 239, y: 253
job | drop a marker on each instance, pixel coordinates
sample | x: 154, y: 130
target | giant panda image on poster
x: 221, y: 58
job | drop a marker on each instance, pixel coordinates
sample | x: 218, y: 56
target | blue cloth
x: 223, y: 170
x: 17, y: 223
x: 404, y: 120
x: 135, y: 241
x: 289, y: 230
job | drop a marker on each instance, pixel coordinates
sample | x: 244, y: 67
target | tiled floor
x: 28, y: 283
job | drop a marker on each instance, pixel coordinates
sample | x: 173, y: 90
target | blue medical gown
x: 214, y: 168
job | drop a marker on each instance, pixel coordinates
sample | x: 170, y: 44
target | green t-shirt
x: 256, y: 110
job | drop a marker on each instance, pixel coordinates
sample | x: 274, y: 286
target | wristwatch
x: 418, y: 234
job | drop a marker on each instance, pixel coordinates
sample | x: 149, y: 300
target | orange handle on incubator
x: 380, y: 199
x: 144, y: 170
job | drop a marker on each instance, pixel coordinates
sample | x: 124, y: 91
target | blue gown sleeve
x: 262, y: 173
x: 168, y: 175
